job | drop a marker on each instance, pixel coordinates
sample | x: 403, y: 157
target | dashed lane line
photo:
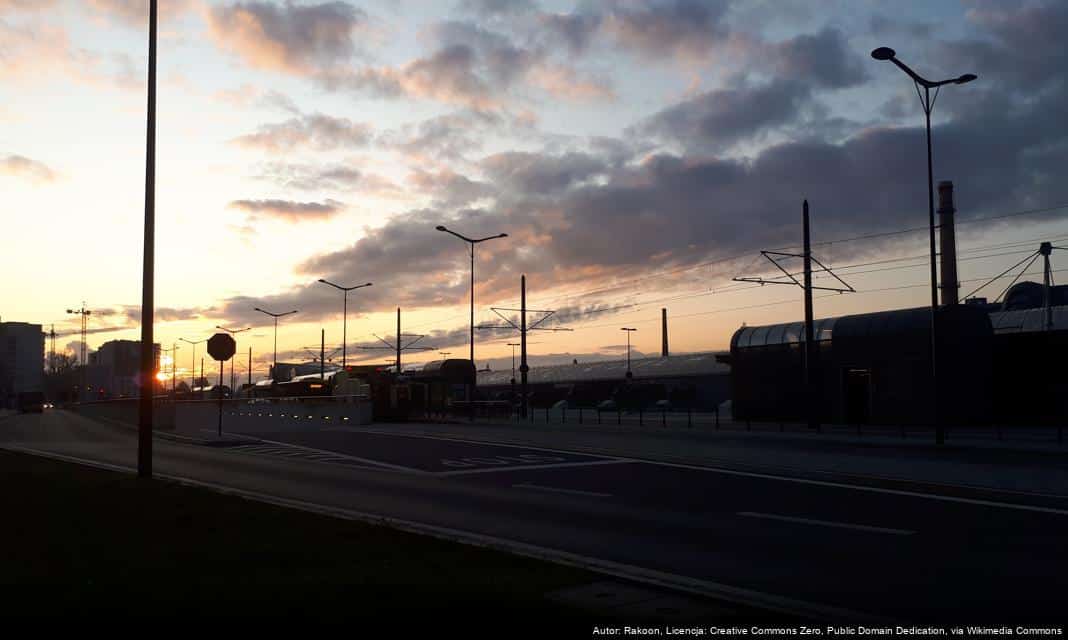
x: 827, y: 523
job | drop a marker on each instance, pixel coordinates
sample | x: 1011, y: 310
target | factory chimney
x: 948, y: 237
x: 663, y: 333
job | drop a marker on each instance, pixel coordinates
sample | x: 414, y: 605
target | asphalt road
x: 828, y: 547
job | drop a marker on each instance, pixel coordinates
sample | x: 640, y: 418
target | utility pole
x: 629, y: 331
x: 250, y: 367
x: 809, y: 377
x: 322, y: 354
x: 1046, y: 248
x: 148, y: 374
x: 399, y: 345
x: 811, y: 406
x: 522, y: 328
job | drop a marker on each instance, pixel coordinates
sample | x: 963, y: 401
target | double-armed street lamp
x: 276, y: 316
x: 927, y: 102
x: 629, y: 330
x: 232, y: 332
x: 345, y: 313
x: 472, y: 242
x: 193, y: 368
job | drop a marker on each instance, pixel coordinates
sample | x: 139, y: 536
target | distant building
x: 21, y: 360
x: 114, y: 369
x: 290, y: 370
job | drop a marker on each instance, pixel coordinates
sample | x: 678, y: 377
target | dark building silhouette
x: 870, y: 368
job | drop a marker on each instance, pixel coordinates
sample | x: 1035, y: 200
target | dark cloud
x: 312, y: 131
x: 823, y: 59
x: 289, y: 210
x: 574, y: 30
x: 498, y: 8
x: 291, y: 37
x: 472, y: 67
x: 717, y: 119
x: 536, y: 173
x: 23, y: 167
x: 671, y: 28
x: 448, y: 188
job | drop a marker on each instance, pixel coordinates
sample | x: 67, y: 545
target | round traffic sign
x: 221, y: 346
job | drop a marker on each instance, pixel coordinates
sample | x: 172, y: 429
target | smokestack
x: 663, y: 333
x: 948, y: 237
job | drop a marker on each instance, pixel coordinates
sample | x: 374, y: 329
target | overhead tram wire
x: 558, y: 300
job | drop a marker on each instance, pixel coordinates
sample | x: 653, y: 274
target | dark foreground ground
x: 79, y: 542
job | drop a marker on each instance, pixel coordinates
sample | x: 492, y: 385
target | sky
x: 638, y: 153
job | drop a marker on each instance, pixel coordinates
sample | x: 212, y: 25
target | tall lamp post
x: 193, y: 368
x: 276, y: 316
x: 232, y: 332
x: 629, y: 331
x: 345, y: 313
x: 472, y: 242
x: 927, y: 101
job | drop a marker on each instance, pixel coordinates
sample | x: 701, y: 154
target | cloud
x: 448, y: 188
x: 536, y: 173
x: 452, y: 136
x: 471, y: 67
x: 823, y: 58
x: 135, y: 12
x: 687, y: 29
x: 565, y: 82
x: 332, y: 176
x: 290, y: 211
x: 23, y: 167
x: 290, y: 37
x: 715, y: 120
x: 317, y: 132
x: 25, y: 5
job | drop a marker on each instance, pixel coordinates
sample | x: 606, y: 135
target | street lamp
x: 193, y: 368
x: 629, y: 330
x: 232, y: 332
x: 444, y: 355
x: 927, y: 102
x: 472, y: 242
x: 276, y: 316
x: 345, y: 313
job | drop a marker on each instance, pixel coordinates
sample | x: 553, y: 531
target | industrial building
x: 693, y: 380
x: 21, y: 360
x: 869, y: 368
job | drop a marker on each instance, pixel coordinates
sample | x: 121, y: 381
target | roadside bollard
x: 546, y: 415
x: 580, y: 415
x: 563, y: 415
x: 619, y: 416
x: 641, y: 416
x: 663, y: 417
x: 598, y: 415
x: 689, y: 417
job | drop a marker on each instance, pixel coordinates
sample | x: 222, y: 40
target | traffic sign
x: 221, y: 346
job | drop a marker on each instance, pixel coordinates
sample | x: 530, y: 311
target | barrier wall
x: 240, y: 415
x: 126, y: 411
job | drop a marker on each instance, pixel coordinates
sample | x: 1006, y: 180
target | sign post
x: 221, y: 346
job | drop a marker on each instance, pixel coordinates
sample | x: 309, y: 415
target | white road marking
x: 768, y: 476
x: 827, y: 523
x: 525, y: 467
x: 678, y: 582
x: 574, y: 492
x: 386, y: 465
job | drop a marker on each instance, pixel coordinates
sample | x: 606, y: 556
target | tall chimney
x: 948, y: 237
x: 663, y: 330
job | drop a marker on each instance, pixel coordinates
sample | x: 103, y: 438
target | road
x: 830, y: 548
